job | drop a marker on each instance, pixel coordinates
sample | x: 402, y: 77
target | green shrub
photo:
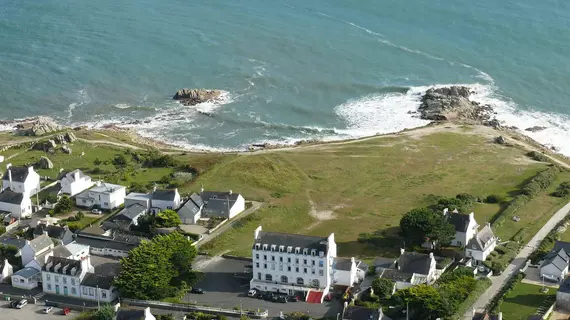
x: 541, y: 181
x: 501, y: 250
x: 563, y: 190
x: 537, y: 156
x: 494, y: 198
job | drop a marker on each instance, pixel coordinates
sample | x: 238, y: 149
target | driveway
x: 226, y: 284
x: 31, y: 312
x: 532, y: 276
x: 517, y: 263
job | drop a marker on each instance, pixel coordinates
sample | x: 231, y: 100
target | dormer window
x: 264, y: 247
x: 257, y: 246
x: 297, y: 250
x: 281, y: 248
x: 289, y: 249
x: 313, y: 252
x: 321, y: 254
x: 305, y: 251
x: 273, y: 247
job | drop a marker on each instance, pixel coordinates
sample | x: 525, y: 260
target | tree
x: 139, y: 187
x: 167, y: 219
x: 383, y: 288
x: 120, y: 162
x: 425, y: 302
x: 106, y: 312
x: 418, y: 225
x: 97, y: 162
x: 10, y: 253
x: 64, y: 205
x: 157, y: 269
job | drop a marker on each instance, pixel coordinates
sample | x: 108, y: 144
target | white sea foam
x: 122, y: 106
x: 82, y: 97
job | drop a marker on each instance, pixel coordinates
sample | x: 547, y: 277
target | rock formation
x: 453, y: 104
x: 37, y: 126
x: 44, y: 145
x: 45, y: 163
x: 535, y: 129
x: 60, y: 139
x: 70, y: 137
x: 66, y: 149
x: 190, y: 97
x: 501, y: 140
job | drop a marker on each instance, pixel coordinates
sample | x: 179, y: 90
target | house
x: 19, y: 205
x: 100, y: 288
x: 132, y: 314
x: 6, y: 270
x: 563, y: 295
x: 126, y: 218
x: 222, y: 204
x: 165, y: 199
x: 74, y: 182
x: 27, y: 278
x: 293, y: 264
x: 103, y: 195
x: 61, y: 234
x: 344, y: 272
x: 362, y: 313
x: 48, y: 221
x: 19, y: 243
x: 465, y: 226
x: 22, y: 180
x: 143, y: 199
x: 191, y: 211
x: 63, y: 276
x: 481, y: 246
x: 554, y: 267
x: 116, y: 245
x: 411, y: 269
x: 36, y: 247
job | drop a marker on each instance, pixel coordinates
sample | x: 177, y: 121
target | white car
x: 22, y: 304
x: 48, y: 310
x: 251, y: 293
x: 96, y: 211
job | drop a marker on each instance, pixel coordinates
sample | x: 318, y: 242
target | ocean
x: 290, y: 69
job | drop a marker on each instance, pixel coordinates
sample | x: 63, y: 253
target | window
x: 257, y: 256
x: 64, y: 280
x: 268, y: 277
x: 297, y: 269
x: 304, y: 270
x: 313, y: 252
x: 257, y: 246
x: 297, y: 261
x: 297, y: 250
x: 257, y: 264
x: 104, y: 294
x: 305, y: 252
x: 284, y: 279
x: 288, y: 268
x: 321, y: 263
x: 300, y: 281
x: 305, y: 261
x: 272, y: 258
x: 281, y: 248
x: 289, y: 249
x: 56, y: 278
x: 321, y: 273
x: 289, y: 260
x: 72, y: 281
x: 49, y: 286
x: 264, y: 247
x: 91, y: 292
x: 264, y: 257
x: 313, y: 271
x: 280, y: 267
x: 265, y: 266
x: 272, y: 266
x: 313, y: 262
x: 259, y: 276
x: 280, y: 259
x: 273, y: 248
x: 315, y: 283
x: 73, y: 291
x: 48, y: 277
x: 84, y: 290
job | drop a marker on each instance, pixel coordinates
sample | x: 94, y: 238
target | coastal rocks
x: 60, y: 139
x: 535, y: 129
x: 191, y: 97
x: 501, y: 140
x: 37, y: 126
x: 44, y: 145
x: 45, y: 163
x: 453, y: 104
x: 70, y: 137
x: 66, y: 149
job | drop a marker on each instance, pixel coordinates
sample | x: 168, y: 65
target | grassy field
x: 524, y: 300
x: 364, y: 187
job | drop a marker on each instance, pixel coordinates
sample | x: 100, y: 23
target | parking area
x: 532, y: 276
x: 226, y: 284
x: 31, y: 312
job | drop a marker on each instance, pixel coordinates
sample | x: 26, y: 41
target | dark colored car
x: 268, y: 296
x: 13, y: 304
x: 197, y: 290
x: 293, y: 299
x: 259, y: 295
x: 283, y: 299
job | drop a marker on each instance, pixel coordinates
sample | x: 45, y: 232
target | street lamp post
x: 98, y: 303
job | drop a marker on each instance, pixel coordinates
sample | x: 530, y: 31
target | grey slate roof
x: 188, y: 210
x: 126, y: 314
x: 61, y: 252
x: 27, y: 272
x: 292, y: 240
x: 165, y: 195
x: 94, y: 280
x: 9, y: 196
x: 40, y: 243
x: 130, y: 212
x: 562, y: 245
x: 396, y: 275
x: 344, y: 264
x: 70, y: 175
x: 565, y: 286
x: 197, y: 200
x: 381, y: 262
x: 459, y: 221
x: 559, y: 259
x: 218, y: 201
x: 19, y: 174
x: 52, y: 262
x: 479, y: 241
x: 56, y: 232
x: 105, y: 244
x: 18, y: 243
x: 413, y: 262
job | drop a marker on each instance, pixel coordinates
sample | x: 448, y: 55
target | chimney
x: 500, y: 316
x: 402, y: 250
x: 472, y: 215
x: 202, y: 189
x: 9, y: 167
x: 76, y: 175
x: 445, y: 211
x: 256, y: 233
x: 488, y: 224
x: 431, y: 255
x: 30, y: 169
x: 154, y: 188
x: 230, y: 192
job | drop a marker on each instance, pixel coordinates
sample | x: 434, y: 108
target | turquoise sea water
x: 292, y: 69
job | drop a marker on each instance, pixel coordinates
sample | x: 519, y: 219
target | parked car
x: 13, y: 304
x: 293, y: 299
x: 97, y: 211
x: 22, y: 303
x: 259, y: 295
x: 282, y: 299
x: 65, y: 311
x: 197, y: 290
x: 268, y: 296
x: 252, y: 293
x: 48, y: 310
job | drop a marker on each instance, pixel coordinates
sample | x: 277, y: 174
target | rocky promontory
x: 34, y: 126
x: 191, y: 97
x: 453, y: 104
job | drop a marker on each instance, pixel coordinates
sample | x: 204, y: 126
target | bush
x: 383, y: 288
x: 494, y: 198
x: 2, y: 230
x: 537, y: 156
x: 541, y: 181
x: 501, y: 250
x: 563, y: 190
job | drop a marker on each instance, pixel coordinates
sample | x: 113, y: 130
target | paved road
x: 517, y: 263
x: 207, y: 238
x: 31, y: 312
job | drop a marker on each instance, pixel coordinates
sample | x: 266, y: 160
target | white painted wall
x: 18, y: 210
x: 28, y: 253
x: 55, y: 283
x: 77, y: 186
x: 108, y: 252
x: 107, y: 201
x: 29, y: 187
x: 91, y: 293
x: 6, y: 272
x: 552, y: 273
x: 238, y: 207
x: 22, y: 283
x: 163, y: 204
x: 480, y: 255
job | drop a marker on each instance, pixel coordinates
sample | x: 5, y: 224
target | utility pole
x: 98, y: 302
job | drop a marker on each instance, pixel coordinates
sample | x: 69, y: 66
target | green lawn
x: 363, y: 187
x: 524, y: 300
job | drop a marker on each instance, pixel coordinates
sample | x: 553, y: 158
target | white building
x: 6, y: 270
x: 116, y: 245
x: 100, y: 288
x: 75, y: 182
x: 27, y: 278
x: 63, y: 276
x: 19, y: 205
x: 293, y: 264
x: 36, y: 248
x: 104, y: 195
x: 21, y: 180
x: 165, y: 199
x: 143, y: 199
x: 222, y: 204
x: 464, y: 224
x: 191, y: 211
x: 481, y: 246
x: 410, y: 269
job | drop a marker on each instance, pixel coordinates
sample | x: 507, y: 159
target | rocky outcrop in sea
x: 191, y: 97
x: 453, y: 104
